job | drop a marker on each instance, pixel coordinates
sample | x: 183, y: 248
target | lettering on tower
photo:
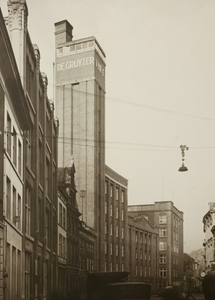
x: 86, y: 61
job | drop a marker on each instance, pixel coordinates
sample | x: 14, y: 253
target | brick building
x: 168, y: 220
x: 143, y: 251
x: 115, y: 221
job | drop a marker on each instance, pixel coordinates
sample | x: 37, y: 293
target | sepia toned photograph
x: 107, y: 150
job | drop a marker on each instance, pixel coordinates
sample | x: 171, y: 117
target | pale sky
x: 160, y: 93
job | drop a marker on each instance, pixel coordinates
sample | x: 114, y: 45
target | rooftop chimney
x: 63, y: 32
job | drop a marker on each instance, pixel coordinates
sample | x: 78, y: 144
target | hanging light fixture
x: 183, y: 168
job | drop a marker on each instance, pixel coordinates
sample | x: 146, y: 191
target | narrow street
x: 198, y: 296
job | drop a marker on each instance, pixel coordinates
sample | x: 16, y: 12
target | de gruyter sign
x: 80, y: 62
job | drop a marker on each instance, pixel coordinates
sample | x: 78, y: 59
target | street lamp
x: 183, y: 168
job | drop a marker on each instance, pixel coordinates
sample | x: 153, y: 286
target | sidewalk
x: 199, y: 296
x: 196, y: 296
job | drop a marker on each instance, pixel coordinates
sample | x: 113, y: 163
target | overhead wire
x: 141, y: 146
x: 68, y: 87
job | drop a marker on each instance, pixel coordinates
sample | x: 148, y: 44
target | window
x: 111, y: 190
x: 122, y: 215
x: 64, y: 218
x: 111, y: 229
x: 8, y: 130
x: 27, y: 275
x: 111, y: 267
x: 162, y: 219
x: 122, y: 267
x: 162, y: 259
x: 117, y: 267
x: 63, y: 247
x: 162, y: 232
x: 117, y: 230
x: 141, y: 237
x: 106, y: 185
x: 122, y: 250
x: 117, y: 212
x: 47, y: 177
x: 60, y: 214
x: 111, y: 210
x: 105, y: 227
x: 162, y: 245
x: 122, y: 196
x: 28, y: 149
x: 19, y: 157
x: 14, y: 207
x: 19, y: 211
x: 8, y: 198
x: 105, y: 207
x: 117, y: 193
x: 117, y: 250
x: 162, y: 272
x: 111, y: 248
x: 14, y: 147
x: 60, y: 244
x: 105, y: 247
x: 122, y: 232
x: 41, y: 162
x: 136, y: 236
x: 28, y: 211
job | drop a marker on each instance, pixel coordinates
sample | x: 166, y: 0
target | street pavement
x: 195, y: 297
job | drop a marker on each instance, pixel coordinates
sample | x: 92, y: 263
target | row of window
x: 86, y: 263
x: 117, y: 192
x: 116, y: 249
x: 176, y: 222
x: 85, y: 245
x: 44, y: 233
x: 163, y: 246
x: 13, y: 204
x: 116, y: 211
x: 139, y: 238
x: 13, y: 145
x: 116, y: 230
x: 140, y: 268
x: 162, y: 233
x: 141, y: 255
x: 163, y: 259
x: 163, y: 220
x: 163, y: 273
x: 114, y: 267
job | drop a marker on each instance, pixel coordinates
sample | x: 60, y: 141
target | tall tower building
x: 80, y: 105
